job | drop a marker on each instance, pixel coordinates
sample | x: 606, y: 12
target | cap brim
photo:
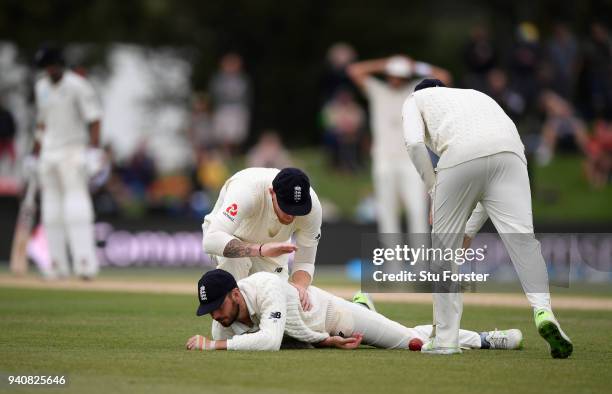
x: 296, y: 210
x: 211, y: 306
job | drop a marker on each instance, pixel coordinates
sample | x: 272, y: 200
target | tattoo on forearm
x: 236, y: 248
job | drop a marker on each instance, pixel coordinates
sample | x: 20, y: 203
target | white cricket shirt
x: 275, y: 309
x: 385, y: 105
x: 66, y: 109
x: 244, y: 211
x: 459, y: 125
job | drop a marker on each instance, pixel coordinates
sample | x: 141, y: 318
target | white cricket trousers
x: 398, y: 184
x: 381, y: 332
x: 67, y: 211
x: 501, y: 184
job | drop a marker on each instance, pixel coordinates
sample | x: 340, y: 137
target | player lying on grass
x: 258, y: 310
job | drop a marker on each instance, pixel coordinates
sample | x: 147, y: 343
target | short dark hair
x: 429, y: 83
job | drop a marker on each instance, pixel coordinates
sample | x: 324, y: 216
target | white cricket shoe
x: 511, y: 339
x: 429, y: 348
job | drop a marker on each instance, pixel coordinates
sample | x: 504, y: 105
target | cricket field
x: 133, y: 341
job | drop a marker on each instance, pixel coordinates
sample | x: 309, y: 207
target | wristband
x: 202, y: 345
x: 260, y: 246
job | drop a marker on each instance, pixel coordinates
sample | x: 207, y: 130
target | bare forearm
x: 361, y: 70
x: 94, y: 133
x: 238, y: 248
x: 221, y: 345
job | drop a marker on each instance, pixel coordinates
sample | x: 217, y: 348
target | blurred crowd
x: 557, y: 87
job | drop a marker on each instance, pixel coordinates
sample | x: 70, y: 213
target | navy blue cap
x: 49, y: 55
x: 292, y: 188
x: 429, y: 83
x: 213, y: 286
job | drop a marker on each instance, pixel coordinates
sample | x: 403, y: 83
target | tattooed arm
x: 238, y: 248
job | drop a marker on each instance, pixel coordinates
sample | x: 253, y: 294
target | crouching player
x: 258, y: 310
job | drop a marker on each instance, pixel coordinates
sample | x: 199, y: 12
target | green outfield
x: 120, y: 342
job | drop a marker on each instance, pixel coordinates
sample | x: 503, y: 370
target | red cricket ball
x: 415, y: 344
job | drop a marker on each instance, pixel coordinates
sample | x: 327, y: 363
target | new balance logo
x: 275, y: 315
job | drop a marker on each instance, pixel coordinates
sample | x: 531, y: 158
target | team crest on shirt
x: 231, y: 211
x: 297, y: 193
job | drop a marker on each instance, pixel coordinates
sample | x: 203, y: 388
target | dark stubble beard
x: 234, y: 315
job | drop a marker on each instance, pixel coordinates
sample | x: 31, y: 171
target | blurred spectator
x: 598, y: 165
x: 171, y: 193
x: 497, y: 87
x: 7, y: 133
x: 563, y: 58
x: 139, y: 173
x: 339, y: 56
x: 480, y: 57
x: 343, y: 120
x: 269, y: 152
x: 524, y: 63
x: 211, y: 172
x: 201, y: 132
x: 562, y: 128
x: 230, y: 91
x: 597, y: 72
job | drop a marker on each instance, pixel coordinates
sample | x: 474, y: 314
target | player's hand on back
x: 275, y: 249
x: 349, y: 343
x: 304, y: 299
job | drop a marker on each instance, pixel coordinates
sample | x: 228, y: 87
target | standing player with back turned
x: 482, y: 165
x: 68, y: 121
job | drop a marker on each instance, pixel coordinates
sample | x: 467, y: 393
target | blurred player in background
x: 263, y: 308
x: 396, y: 182
x: 68, y: 121
x: 482, y: 165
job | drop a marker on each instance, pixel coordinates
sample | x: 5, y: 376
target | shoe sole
x: 559, y: 346
x: 442, y: 352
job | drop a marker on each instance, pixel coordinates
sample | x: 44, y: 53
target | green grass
x: 562, y: 193
x: 561, y: 190
x: 115, y: 342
